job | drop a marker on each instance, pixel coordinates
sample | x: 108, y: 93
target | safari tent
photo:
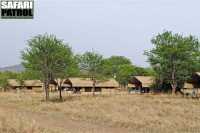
x: 54, y: 83
x: 33, y: 84
x: 193, y: 82
x: 13, y: 83
x: 86, y: 84
x: 141, y: 82
x: 29, y: 84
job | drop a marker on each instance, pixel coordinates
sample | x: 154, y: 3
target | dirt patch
x: 59, y: 123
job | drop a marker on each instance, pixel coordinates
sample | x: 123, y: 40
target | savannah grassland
x: 103, y: 113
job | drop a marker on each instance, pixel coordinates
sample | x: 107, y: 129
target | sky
x: 110, y: 27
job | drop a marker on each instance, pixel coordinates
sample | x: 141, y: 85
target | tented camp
x: 86, y: 84
x: 33, y: 84
x: 58, y: 82
x: 193, y: 82
x: 13, y: 83
x: 141, y: 83
x: 29, y: 84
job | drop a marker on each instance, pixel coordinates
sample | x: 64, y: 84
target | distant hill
x: 14, y: 68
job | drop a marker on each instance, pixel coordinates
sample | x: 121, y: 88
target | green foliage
x: 140, y: 71
x: 110, y: 66
x: 174, y: 57
x: 20, y: 79
x: 116, y: 62
x: 48, y: 56
x: 126, y: 73
x: 9, y: 74
x: 90, y: 63
x: 30, y: 75
x: 4, y: 76
x: 106, y: 68
x: 72, y: 69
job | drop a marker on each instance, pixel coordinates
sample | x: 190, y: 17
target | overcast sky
x: 110, y: 27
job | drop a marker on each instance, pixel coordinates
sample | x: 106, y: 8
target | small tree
x: 20, y: 79
x: 90, y: 63
x: 70, y: 70
x: 175, y: 56
x: 4, y: 83
x: 46, y: 55
x: 30, y: 74
x: 107, y: 68
x: 116, y: 62
x: 126, y: 73
x: 4, y: 76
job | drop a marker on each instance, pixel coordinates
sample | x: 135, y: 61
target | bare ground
x: 59, y: 123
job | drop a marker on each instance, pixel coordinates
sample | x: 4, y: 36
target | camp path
x: 59, y: 123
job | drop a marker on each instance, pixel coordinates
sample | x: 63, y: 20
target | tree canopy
x: 4, y: 76
x: 127, y: 71
x: 125, y: 74
x: 110, y: 66
x: 174, y: 57
x: 48, y: 56
x: 90, y: 63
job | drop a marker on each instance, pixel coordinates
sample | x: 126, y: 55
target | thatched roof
x: 87, y: 82
x: 145, y: 81
x: 193, y: 81
x: 81, y: 82
x: 13, y: 82
x: 33, y: 83
x: 55, y: 82
x: 110, y: 83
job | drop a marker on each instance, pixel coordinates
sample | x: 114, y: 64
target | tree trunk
x: 93, y: 90
x: 47, y: 91
x: 174, y: 82
x: 47, y: 94
x: 173, y: 89
x: 94, y: 82
x: 60, y: 92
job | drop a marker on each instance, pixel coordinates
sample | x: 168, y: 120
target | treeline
x: 173, y: 59
x: 48, y: 57
x: 117, y: 67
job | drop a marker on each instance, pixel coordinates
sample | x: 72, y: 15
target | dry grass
x: 14, y: 124
x: 139, y: 113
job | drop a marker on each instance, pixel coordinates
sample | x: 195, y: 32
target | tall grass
x: 139, y: 113
x: 14, y: 124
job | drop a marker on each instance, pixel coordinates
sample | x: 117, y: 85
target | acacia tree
x: 46, y: 55
x: 125, y: 74
x: 20, y: 79
x: 70, y: 70
x: 90, y: 63
x: 110, y: 66
x: 4, y: 83
x: 4, y: 76
x: 107, y: 68
x: 127, y: 71
x: 116, y: 62
x: 30, y: 74
x: 174, y: 56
